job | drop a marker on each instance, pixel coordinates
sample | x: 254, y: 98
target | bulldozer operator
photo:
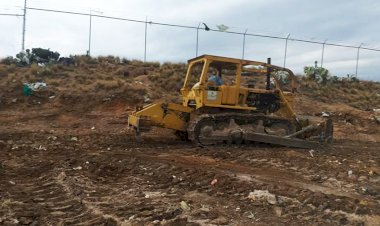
x: 215, y: 78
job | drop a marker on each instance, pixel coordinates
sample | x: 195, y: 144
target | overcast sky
x: 340, y: 21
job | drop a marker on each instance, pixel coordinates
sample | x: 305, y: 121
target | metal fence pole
x: 197, y: 41
x: 323, y: 52
x: 357, y: 60
x: 89, y: 35
x: 245, y: 33
x: 23, y: 28
x: 286, y: 48
x: 146, y: 35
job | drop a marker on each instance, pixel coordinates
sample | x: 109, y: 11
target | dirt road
x: 87, y: 169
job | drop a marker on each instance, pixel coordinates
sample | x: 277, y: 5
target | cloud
x: 340, y: 21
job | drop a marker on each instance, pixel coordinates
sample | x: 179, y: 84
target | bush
x: 318, y: 74
x: 9, y: 60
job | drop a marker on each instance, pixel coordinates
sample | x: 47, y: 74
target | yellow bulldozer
x: 235, y: 101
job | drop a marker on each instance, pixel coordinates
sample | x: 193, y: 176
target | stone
x: 362, y: 178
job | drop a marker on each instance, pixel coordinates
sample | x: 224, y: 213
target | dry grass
x: 363, y: 95
x: 133, y: 79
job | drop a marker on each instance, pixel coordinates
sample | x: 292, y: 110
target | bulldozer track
x: 246, y: 118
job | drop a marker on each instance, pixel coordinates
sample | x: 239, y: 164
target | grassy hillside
x: 137, y: 82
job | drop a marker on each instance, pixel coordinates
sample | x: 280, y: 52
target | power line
x: 196, y: 28
x: 10, y: 14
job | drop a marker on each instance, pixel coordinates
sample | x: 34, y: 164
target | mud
x: 66, y: 167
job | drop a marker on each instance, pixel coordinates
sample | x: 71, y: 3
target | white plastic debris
x: 37, y: 85
x: 77, y: 168
x: 74, y: 139
x: 184, y: 206
x: 324, y: 114
x: 311, y: 152
x: 263, y: 195
x: 41, y: 148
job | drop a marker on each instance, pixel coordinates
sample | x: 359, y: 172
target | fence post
x: 23, y: 28
x: 245, y: 33
x: 89, y: 35
x: 286, y: 48
x: 357, y: 60
x: 323, y: 51
x: 146, y: 34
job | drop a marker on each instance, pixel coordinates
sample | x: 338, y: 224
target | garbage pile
x: 38, y: 88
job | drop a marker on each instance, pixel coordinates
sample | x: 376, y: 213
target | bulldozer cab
x: 223, y: 82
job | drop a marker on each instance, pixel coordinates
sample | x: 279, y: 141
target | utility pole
x: 23, y: 28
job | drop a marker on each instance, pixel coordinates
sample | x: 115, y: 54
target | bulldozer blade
x: 283, y: 141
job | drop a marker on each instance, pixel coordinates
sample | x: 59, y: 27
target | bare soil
x: 70, y: 160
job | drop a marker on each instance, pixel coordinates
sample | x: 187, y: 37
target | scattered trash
x: 29, y: 88
x: 311, y: 152
x: 93, y: 127
x: 51, y: 97
x: 184, y: 206
x: 146, y: 99
x: 324, y: 114
x: 41, y: 148
x: 349, y: 173
x: 87, y: 162
x: 263, y: 195
x: 74, y: 139
x: 52, y: 138
x: 250, y: 215
x: 14, y: 100
x: 12, y: 182
x: 214, y: 181
x: 77, y: 168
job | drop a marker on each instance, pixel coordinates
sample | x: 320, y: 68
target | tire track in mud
x: 348, y: 201
x: 249, y: 173
x: 45, y: 200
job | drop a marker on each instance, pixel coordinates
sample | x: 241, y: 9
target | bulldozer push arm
x: 165, y: 115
